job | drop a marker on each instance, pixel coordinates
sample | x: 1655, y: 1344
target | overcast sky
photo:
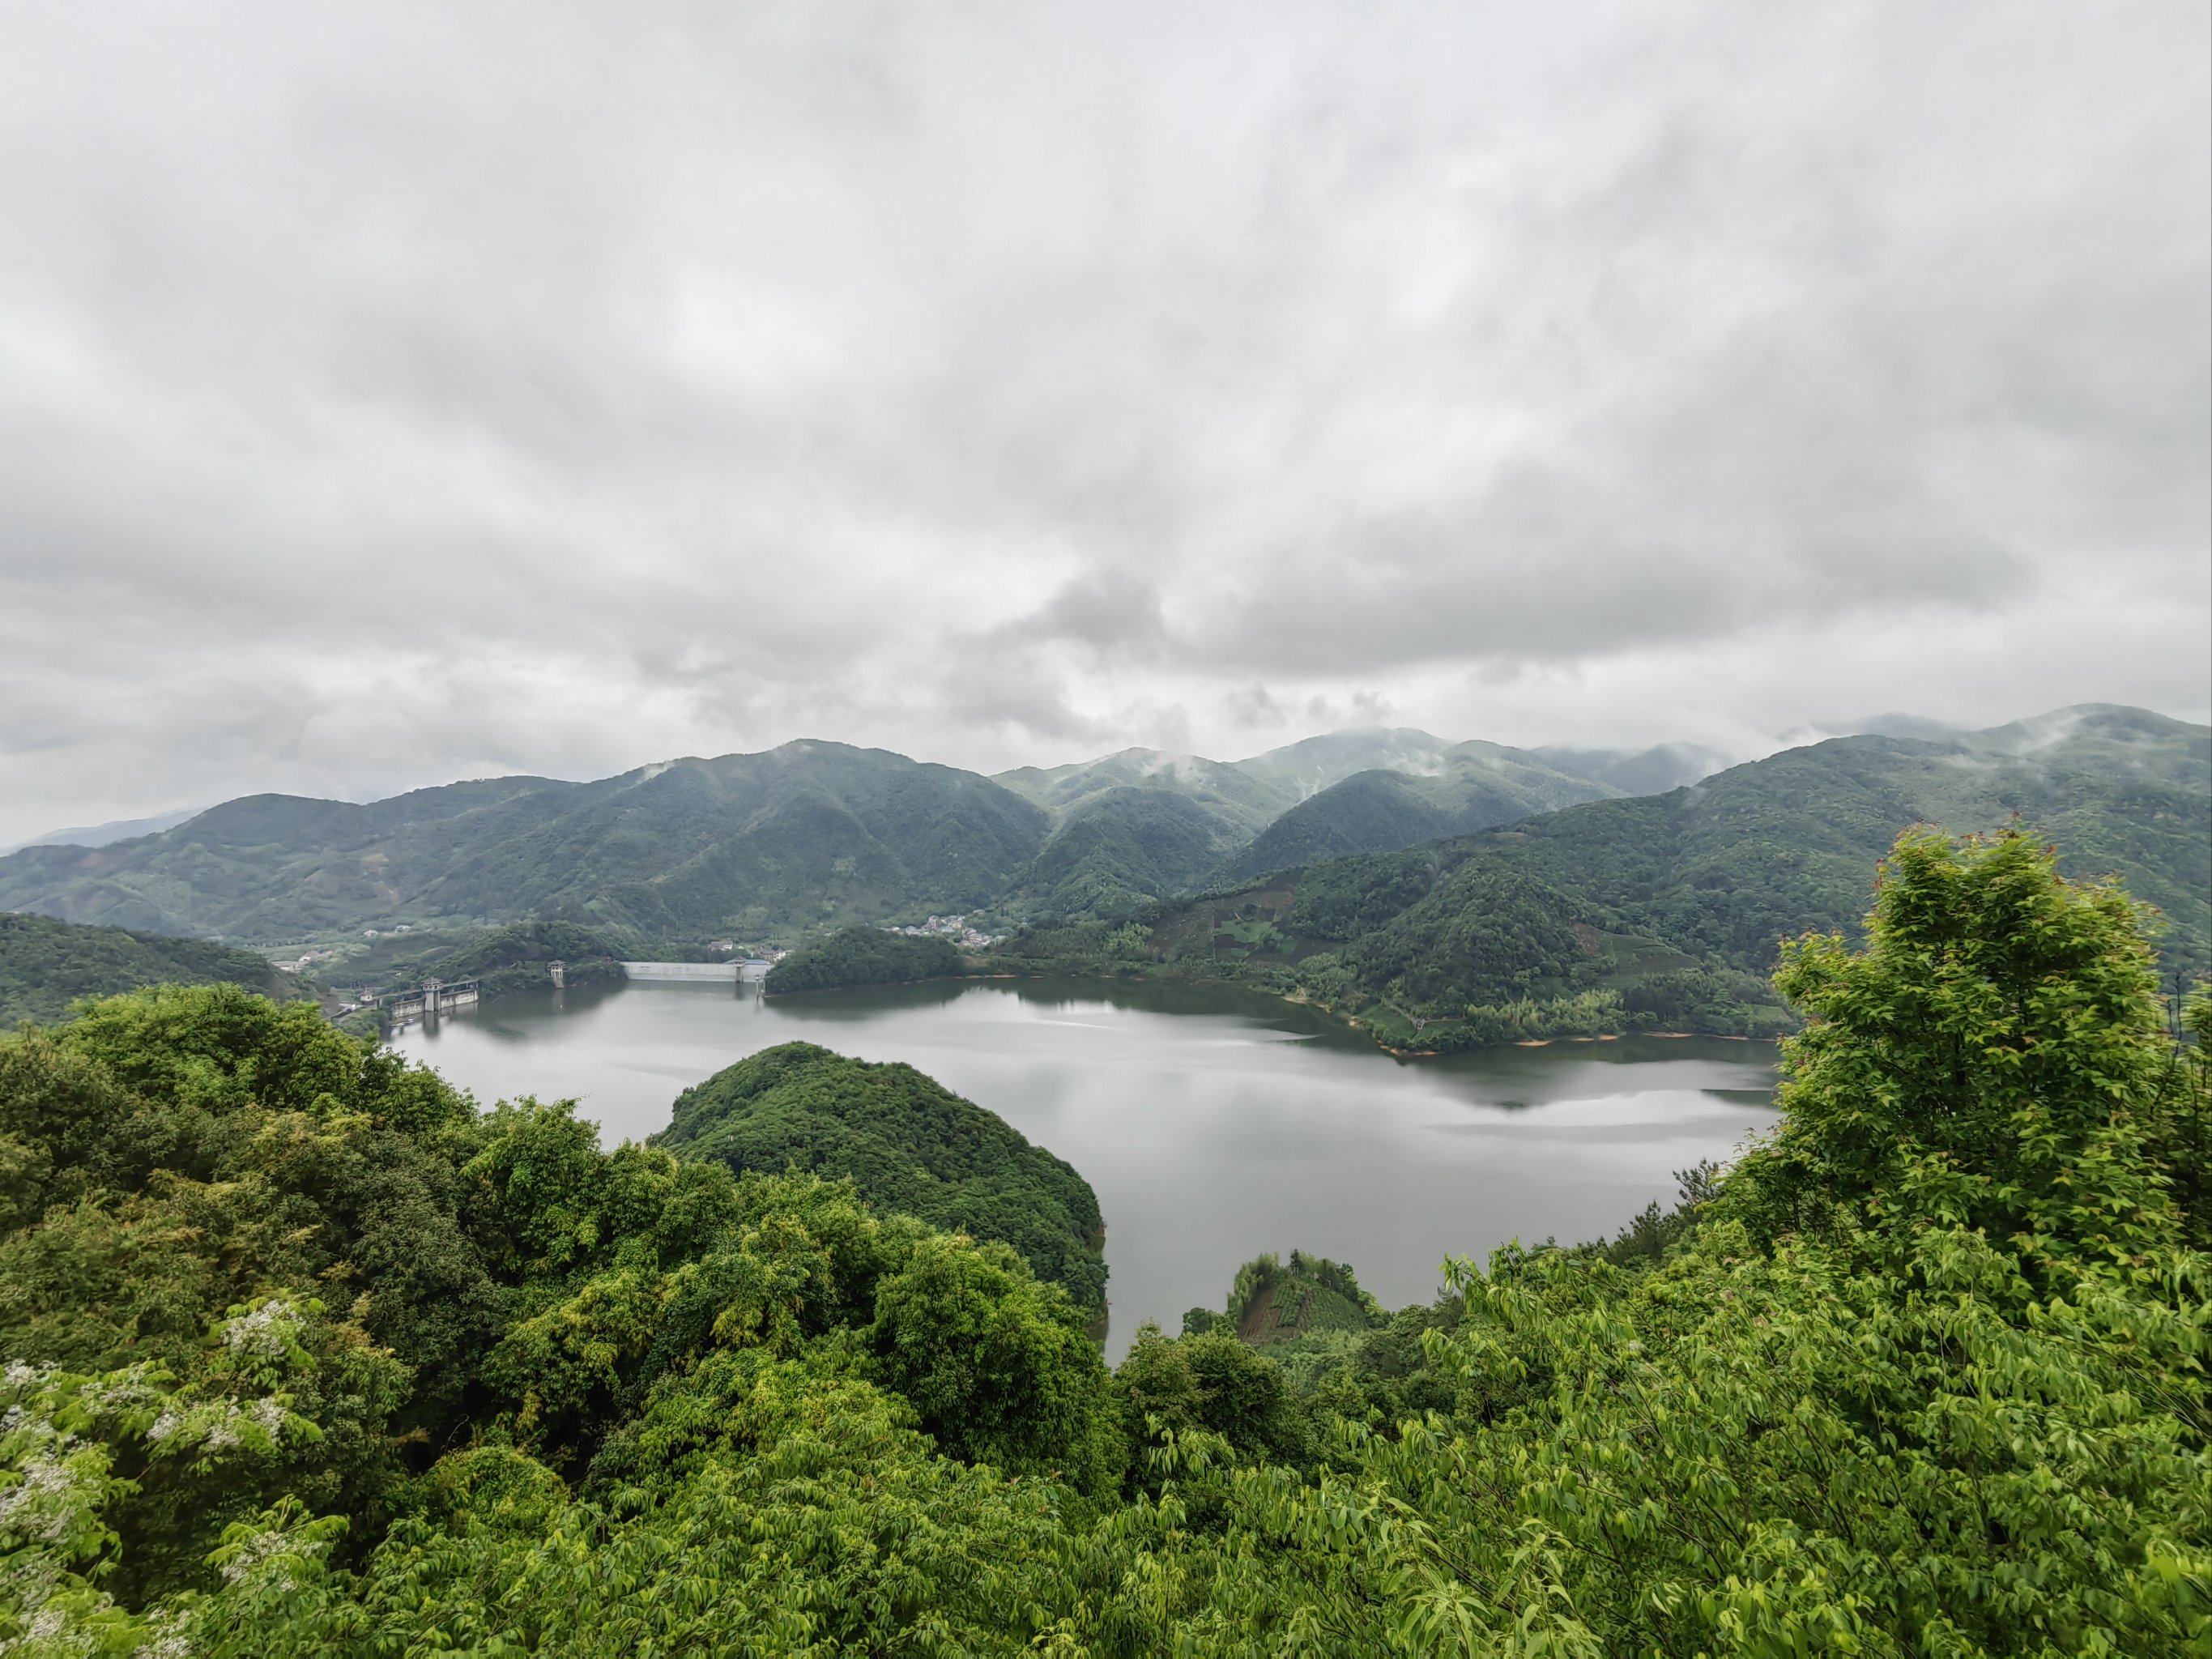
x: 396, y: 393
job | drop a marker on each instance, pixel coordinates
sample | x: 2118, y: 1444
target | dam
x: 428, y: 1001
x: 718, y: 973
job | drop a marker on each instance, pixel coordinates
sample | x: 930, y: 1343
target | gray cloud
x: 1252, y: 706
x: 417, y: 392
x: 1107, y: 610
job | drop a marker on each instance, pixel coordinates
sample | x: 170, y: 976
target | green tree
x: 996, y: 1362
x: 1930, y: 1378
x: 911, y: 1146
x: 1212, y: 1383
x: 864, y: 956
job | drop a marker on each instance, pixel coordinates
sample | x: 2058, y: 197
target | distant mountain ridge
x: 1142, y: 825
x: 1469, y: 787
x: 1312, y: 764
x: 103, y: 835
x: 1224, y: 788
x: 1665, y: 911
x: 1651, y: 771
x: 807, y: 836
x: 815, y: 836
x: 809, y: 832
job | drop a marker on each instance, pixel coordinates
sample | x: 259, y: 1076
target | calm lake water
x: 1214, y: 1123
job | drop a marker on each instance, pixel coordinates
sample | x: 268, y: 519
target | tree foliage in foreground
x: 1924, y: 1374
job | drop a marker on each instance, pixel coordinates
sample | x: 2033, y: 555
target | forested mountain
x: 1141, y: 826
x: 1312, y: 764
x: 515, y: 958
x: 1638, y: 772
x: 300, y: 1353
x: 1473, y: 785
x: 819, y: 836
x: 908, y: 1145
x: 806, y: 836
x: 1667, y: 910
x: 809, y: 832
x: 101, y: 835
x: 1125, y: 847
x: 46, y: 964
x: 1237, y: 797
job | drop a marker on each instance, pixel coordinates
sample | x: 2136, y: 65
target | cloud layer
x: 423, y: 391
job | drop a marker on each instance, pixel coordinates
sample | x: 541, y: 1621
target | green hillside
x: 1273, y: 1301
x: 1636, y: 772
x: 1125, y: 847
x: 814, y: 837
x: 1473, y: 787
x: 1312, y: 764
x: 46, y: 964
x: 1247, y: 802
x: 1367, y: 812
x: 807, y: 834
x: 514, y: 957
x: 1666, y: 912
x: 907, y: 1144
x: 863, y: 955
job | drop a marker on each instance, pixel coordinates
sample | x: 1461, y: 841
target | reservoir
x: 1213, y: 1123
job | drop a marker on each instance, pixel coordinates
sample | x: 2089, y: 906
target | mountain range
x: 817, y: 835
x: 1669, y: 907
x: 115, y: 829
x: 809, y: 836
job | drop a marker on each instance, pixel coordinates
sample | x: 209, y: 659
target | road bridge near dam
x: 436, y: 997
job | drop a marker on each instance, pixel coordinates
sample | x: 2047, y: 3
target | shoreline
x: 1296, y: 998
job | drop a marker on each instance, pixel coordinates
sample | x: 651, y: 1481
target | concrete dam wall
x: 719, y: 973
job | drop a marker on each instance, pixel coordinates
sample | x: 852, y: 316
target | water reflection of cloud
x: 1515, y: 1083
x: 1645, y: 1115
x: 686, y: 1075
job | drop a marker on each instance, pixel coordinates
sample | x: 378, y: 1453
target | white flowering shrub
x: 61, y: 1438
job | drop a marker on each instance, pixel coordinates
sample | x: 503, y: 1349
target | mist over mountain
x: 1240, y: 795
x: 804, y: 836
x: 1312, y: 764
x: 1459, y: 789
x: 1640, y: 772
x: 814, y: 837
x: 810, y: 834
x: 1667, y: 910
x: 103, y: 835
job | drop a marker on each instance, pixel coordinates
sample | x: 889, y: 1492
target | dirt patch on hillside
x: 1265, y: 1321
